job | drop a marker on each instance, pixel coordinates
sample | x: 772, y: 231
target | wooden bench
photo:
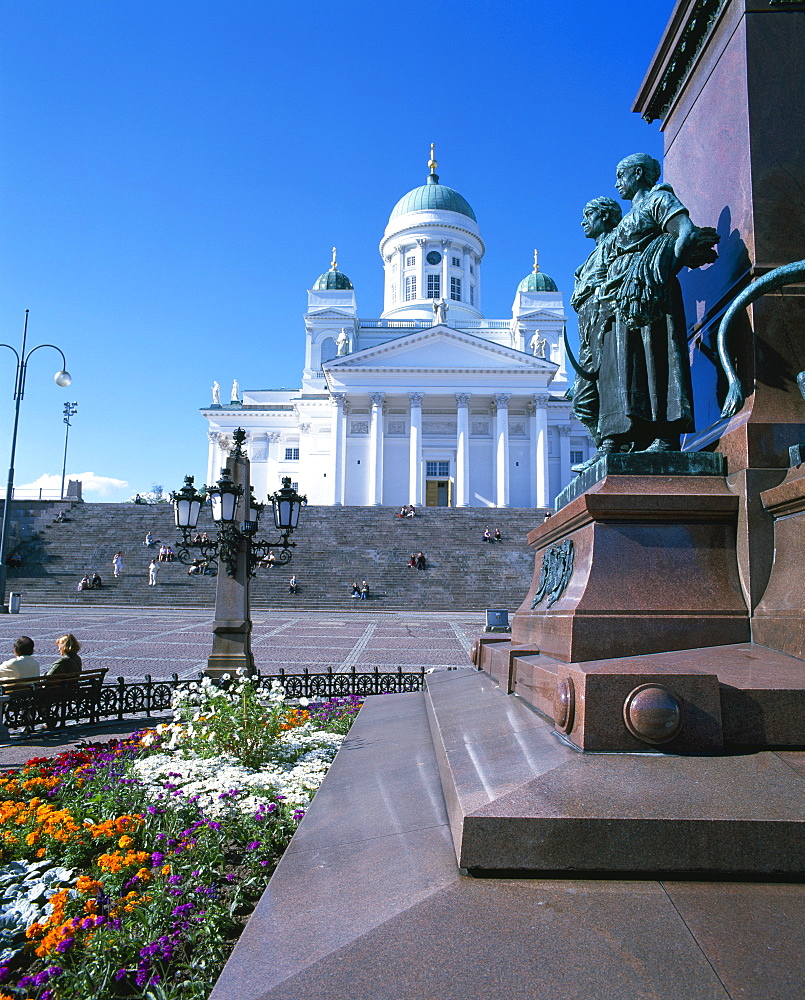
x: 54, y: 702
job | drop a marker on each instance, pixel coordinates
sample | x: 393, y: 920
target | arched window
x: 328, y: 350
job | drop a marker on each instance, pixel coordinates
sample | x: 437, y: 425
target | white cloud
x: 102, y: 486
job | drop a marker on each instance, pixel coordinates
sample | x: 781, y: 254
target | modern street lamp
x: 61, y: 378
x: 235, y: 547
x: 70, y: 410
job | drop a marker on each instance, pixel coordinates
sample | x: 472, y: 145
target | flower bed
x: 129, y: 869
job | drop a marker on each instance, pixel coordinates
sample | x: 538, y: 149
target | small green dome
x: 433, y: 197
x: 537, y: 281
x: 332, y: 280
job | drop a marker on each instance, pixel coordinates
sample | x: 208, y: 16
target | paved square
x: 133, y: 642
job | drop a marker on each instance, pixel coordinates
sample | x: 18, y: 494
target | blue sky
x: 173, y: 175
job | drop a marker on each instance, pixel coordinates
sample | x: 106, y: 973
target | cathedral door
x: 438, y: 493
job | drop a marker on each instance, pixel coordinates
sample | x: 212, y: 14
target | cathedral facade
x: 429, y: 404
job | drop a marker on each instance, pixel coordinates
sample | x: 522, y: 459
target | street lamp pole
x: 61, y: 378
x: 70, y: 410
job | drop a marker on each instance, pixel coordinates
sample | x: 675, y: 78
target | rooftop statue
x: 645, y: 400
x: 342, y: 343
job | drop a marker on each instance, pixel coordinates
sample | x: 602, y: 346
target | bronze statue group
x: 633, y: 387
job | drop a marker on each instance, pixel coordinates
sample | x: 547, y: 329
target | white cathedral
x: 431, y: 404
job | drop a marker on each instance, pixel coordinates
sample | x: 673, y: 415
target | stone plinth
x: 779, y: 619
x: 654, y: 568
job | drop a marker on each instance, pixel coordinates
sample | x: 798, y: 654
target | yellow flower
x: 125, y: 841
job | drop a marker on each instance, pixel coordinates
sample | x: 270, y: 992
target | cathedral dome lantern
x: 432, y: 250
x: 332, y: 280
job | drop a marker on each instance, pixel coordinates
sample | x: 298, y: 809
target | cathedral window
x: 472, y: 295
x: 455, y: 289
x: 576, y: 457
x: 291, y: 455
x: 434, y: 286
x: 437, y: 469
x: 410, y: 261
x: 393, y: 294
x: 472, y: 269
x: 410, y: 287
x: 456, y: 262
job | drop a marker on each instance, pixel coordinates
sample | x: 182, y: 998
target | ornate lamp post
x: 61, y: 378
x: 236, y: 548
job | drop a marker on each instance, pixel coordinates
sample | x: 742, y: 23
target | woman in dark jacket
x: 69, y: 662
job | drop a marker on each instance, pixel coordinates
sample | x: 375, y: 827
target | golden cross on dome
x: 536, y: 261
x: 432, y: 164
x: 333, y: 262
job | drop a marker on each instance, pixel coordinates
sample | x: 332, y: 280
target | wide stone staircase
x: 335, y: 546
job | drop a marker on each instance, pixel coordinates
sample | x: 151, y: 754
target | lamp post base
x: 231, y: 648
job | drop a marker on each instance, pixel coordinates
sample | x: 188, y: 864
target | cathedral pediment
x: 330, y: 313
x: 545, y: 315
x: 438, y: 349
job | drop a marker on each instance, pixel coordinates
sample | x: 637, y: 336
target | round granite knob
x: 652, y: 713
x: 564, y: 704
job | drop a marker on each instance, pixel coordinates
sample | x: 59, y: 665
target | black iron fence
x: 149, y: 697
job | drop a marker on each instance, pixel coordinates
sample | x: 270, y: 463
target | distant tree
x: 155, y: 495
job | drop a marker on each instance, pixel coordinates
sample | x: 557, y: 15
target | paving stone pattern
x: 335, y: 546
x: 133, y: 642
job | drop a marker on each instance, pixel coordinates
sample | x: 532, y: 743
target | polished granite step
x: 368, y: 902
x: 522, y: 799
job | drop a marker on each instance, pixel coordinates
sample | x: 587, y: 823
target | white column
x: 463, y: 450
x: 446, y: 245
x: 420, y: 268
x: 376, y: 445
x: 212, y: 452
x: 337, y: 448
x: 539, y: 451
x: 564, y: 455
x: 415, y: 450
x: 502, y: 449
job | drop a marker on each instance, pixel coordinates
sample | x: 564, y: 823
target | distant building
x: 431, y: 403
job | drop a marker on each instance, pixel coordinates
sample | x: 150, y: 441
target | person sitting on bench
x: 22, y: 665
x: 69, y: 662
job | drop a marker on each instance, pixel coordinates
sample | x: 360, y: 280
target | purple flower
x: 26, y: 981
x: 253, y: 845
x: 55, y: 970
x: 65, y: 945
x: 46, y: 995
x: 3, y: 973
x: 41, y: 978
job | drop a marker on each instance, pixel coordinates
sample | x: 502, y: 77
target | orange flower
x: 86, y: 885
x: 125, y: 841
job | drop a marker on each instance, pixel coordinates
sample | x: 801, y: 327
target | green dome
x: 332, y: 280
x: 433, y: 197
x: 537, y: 282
